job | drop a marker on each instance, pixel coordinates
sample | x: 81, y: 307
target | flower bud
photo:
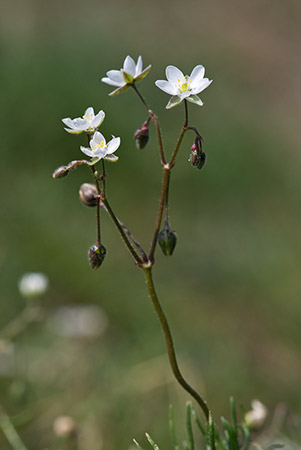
x: 96, y: 255
x: 197, y: 159
x: 60, y: 172
x: 88, y: 194
x: 142, y: 135
x: 167, y: 240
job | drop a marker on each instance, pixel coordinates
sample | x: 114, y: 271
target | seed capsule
x: 167, y: 240
x: 96, y: 256
x: 60, y: 172
x: 197, y: 159
x: 88, y: 194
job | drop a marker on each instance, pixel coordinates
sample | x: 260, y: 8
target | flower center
x: 183, y: 85
x: 88, y: 118
x: 100, y: 145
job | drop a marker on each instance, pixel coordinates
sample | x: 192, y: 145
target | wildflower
x: 183, y: 87
x: 256, y: 417
x: 100, y: 149
x: 128, y: 75
x: 33, y: 285
x: 89, y: 122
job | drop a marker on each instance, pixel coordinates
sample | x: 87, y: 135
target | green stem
x: 169, y: 341
x: 121, y: 231
x: 10, y: 432
x: 156, y: 123
x: 97, y: 207
x: 165, y: 184
x: 20, y: 323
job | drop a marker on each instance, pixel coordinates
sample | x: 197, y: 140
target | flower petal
x: 89, y: 112
x: 201, y: 86
x: 174, y: 101
x: 69, y: 122
x: 138, y: 66
x: 111, y: 82
x: 129, y: 66
x: 98, y: 119
x: 87, y: 151
x: 195, y: 99
x: 115, y: 75
x: 166, y: 86
x: 80, y: 124
x: 113, y: 145
x: 197, y: 74
x: 97, y: 139
x: 173, y: 74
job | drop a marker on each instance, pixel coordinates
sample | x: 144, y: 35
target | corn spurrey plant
x: 183, y: 89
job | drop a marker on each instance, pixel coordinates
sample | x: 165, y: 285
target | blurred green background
x: 232, y: 288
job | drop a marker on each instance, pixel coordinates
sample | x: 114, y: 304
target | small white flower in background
x: 257, y: 416
x: 129, y: 74
x: 33, y: 285
x: 181, y: 87
x: 100, y: 149
x: 89, y: 122
x: 64, y: 427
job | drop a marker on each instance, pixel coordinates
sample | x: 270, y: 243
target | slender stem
x: 20, y: 323
x: 104, y: 176
x: 186, y: 113
x: 156, y: 123
x: 169, y: 341
x: 10, y: 432
x: 164, y: 189
x: 128, y: 232
x: 97, y: 207
x: 121, y: 231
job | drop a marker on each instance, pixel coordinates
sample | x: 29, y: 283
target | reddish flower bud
x: 142, y: 135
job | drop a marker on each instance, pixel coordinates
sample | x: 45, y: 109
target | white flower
x: 181, y: 87
x: 129, y: 74
x: 33, y: 285
x: 257, y: 416
x: 100, y: 149
x: 89, y: 122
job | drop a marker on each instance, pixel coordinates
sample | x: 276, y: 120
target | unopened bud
x: 96, y: 255
x: 60, y: 172
x: 197, y: 159
x: 88, y: 194
x: 142, y: 135
x: 256, y: 417
x: 167, y: 240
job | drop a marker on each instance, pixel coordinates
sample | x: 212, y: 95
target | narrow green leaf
x: 189, y: 427
x: 197, y: 421
x: 233, y: 413
x: 211, y: 432
x: 152, y: 443
x: 137, y: 444
x: 172, y: 429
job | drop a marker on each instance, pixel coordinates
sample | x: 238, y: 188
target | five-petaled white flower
x: 183, y: 87
x: 89, y: 122
x: 100, y: 149
x: 129, y: 74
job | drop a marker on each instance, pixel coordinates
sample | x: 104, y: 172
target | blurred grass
x: 232, y: 289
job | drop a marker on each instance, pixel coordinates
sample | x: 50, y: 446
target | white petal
x: 89, y: 111
x: 201, y: 86
x: 97, y: 138
x: 115, y: 75
x: 173, y: 74
x: 69, y: 122
x: 80, y: 124
x: 113, y: 145
x: 184, y: 94
x: 98, y: 119
x: 111, y: 82
x: 166, y: 86
x: 86, y: 151
x: 138, y: 66
x: 197, y: 74
x: 129, y: 66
